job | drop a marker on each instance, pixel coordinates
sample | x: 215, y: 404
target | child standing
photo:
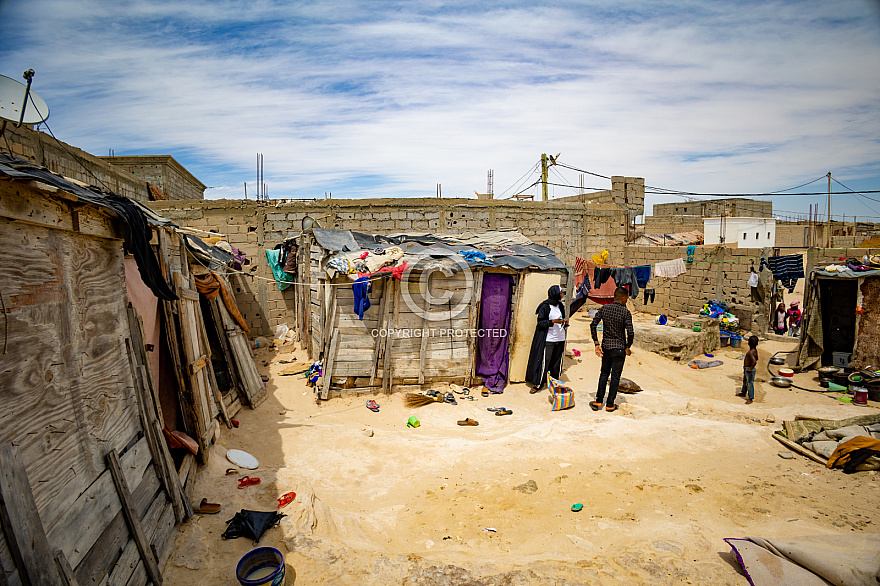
x: 794, y: 319
x: 779, y: 323
x: 750, y: 366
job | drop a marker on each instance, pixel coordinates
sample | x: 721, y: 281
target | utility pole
x: 544, y: 176
x: 829, y: 210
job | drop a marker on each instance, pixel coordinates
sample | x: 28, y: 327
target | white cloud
x: 720, y: 97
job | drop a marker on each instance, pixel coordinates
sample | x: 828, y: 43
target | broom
x: 413, y: 400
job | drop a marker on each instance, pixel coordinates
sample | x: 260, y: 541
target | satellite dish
x: 309, y: 222
x: 12, y: 102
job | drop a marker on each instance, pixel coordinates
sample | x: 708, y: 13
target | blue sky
x: 387, y: 99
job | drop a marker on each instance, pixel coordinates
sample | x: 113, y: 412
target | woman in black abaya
x: 548, y: 343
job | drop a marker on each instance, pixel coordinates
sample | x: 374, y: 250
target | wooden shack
x: 422, y: 322
x: 105, y: 362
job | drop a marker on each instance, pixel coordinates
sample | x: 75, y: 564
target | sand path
x: 680, y: 466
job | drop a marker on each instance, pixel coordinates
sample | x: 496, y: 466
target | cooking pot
x: 786, y: 372
x: 828, y: 370
x: 779, y: 381
x: 777, y: 360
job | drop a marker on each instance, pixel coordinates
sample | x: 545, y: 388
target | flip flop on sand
x: 247, y: 481
x: 484, y: 392
x: 373, y: 406
x: 503, y: 412
x: 231, y: 472
x: 468, y: 422
x: 611, y: 408
x: 595, y: 406
x: 206, y: 508
x: 286, y: 499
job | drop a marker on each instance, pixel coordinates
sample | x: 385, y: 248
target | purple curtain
x: 492, y: 355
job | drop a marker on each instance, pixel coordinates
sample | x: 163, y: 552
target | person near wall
x: 617, y: 338
x: 794, y: 319
x: 548, y: 343
x: 750, y: 364
x: 779, y: 320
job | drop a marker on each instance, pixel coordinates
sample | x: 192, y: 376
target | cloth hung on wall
x: 690, y: 253
x: 670, y: 269
x: 282, y: 279
x: 643, y: 275
x: 626, y: 277
x: 492, y: 350
x: 601, y: 275
x: 361, y: 289
x: 753, y: 279
x: 210, y: 285
x: 788, y: 269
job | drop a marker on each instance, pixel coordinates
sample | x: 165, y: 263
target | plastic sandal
x: 595, y: 406
x: 469, y: 422
x: 611, y: 408
x: 247, y: 481
x: 503, y: 412
x: 450, y: 398
x: 373, y: 406
x: 286, y: 499
x: 231, y: 472
x: 495, y: 408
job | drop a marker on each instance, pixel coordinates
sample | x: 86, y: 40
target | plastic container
x: 660, y: 320
x: 840, y: 359
x: 786, y: 372
x: 263, y: 566
x: 725, y: 340
x: 736, y: 342
x: 860, y: 396
x: 697, y: 327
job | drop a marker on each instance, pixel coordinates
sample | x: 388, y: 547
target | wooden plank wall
x: 67, y: 392
x: 361, y: 354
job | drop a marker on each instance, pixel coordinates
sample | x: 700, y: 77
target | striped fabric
x: 580, y: 265
x: 563, y: 396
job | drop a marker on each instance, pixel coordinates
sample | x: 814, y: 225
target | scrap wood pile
x: 852, y: 444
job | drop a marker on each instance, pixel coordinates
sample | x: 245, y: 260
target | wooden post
x: 394, y: 312
x: 64, y: 569
x: 383, y: 307
x: 133, y: 519
x: 21, y: 523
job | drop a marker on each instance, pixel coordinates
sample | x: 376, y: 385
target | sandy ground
x: 680, y: 466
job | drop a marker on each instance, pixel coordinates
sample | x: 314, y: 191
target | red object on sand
x: 286, y: 499
x: 247, y: 481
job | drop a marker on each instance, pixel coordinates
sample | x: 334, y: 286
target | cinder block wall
x: 253, y: 228
x: 716, y: 273
x: 671, y: 224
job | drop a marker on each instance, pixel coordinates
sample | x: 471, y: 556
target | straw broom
x: 413, y: 400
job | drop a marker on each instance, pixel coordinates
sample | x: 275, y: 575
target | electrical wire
x: 518, y: 181
x: 61, y: 144
x: 859, y: 194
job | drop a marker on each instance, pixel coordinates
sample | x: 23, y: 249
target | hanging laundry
x: 342, y: 266
x: 643, y: 275
x: 583, y: 292
x: 396, y: 270
x: 626, y: 277
x: 601, y: 258
x: 600, y: 275
x: 753, y: 279
x: 690, y: 252
x: 282, y: 278
x: 788, y: 269
x: 670, y: 269
x: 361, y: 288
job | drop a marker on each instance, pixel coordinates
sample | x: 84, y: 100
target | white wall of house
x: 744, y: 232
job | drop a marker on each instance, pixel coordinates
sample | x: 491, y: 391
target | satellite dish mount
x: 19, y: 104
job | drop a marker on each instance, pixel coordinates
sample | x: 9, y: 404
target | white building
x: 744, y: 232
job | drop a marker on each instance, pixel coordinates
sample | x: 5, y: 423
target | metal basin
x: 777, y: 360
x: 828, y: 371
x: 781, y: 382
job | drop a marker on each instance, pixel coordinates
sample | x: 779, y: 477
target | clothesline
x: 226, y: 270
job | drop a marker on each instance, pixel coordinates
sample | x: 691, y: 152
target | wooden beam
x: 133, y: 519
x: 198, y: 365
x: 387, y: 363
x: 328, y: 365
x: 383, y: 319
x: 423, y: 347
x: 188, y: 294
x: 474, y: 324
x: 800, y: 449
x: 64, y: 569
x: 21, y: 522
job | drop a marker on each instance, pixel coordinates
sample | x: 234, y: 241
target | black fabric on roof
x: 136, y: 231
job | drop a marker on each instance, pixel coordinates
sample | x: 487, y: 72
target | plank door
x: 196, y: 360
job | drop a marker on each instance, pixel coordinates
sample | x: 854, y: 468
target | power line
x: 518, y: 181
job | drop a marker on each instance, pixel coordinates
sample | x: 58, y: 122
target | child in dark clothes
x: 750, y: 367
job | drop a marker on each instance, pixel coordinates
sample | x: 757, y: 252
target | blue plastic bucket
x: 661, y: 320
x: 263, y: 566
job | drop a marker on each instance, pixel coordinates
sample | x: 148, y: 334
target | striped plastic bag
x: 563, y: 396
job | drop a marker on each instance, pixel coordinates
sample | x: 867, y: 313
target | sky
x: 391, y: 98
